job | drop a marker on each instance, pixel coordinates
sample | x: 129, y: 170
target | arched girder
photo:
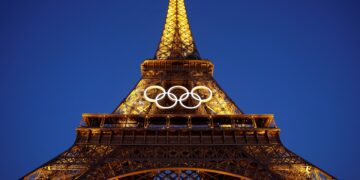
x: 176, y: 169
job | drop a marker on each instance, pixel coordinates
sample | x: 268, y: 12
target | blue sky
x: 296, y: 59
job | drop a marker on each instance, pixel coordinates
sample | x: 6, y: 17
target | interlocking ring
x: 175, y: 99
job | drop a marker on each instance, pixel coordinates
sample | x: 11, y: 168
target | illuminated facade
x: 177, y: 123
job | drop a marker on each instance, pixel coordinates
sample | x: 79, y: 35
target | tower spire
x: 176, y: 41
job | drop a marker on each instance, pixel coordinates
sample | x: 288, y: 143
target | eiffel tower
x: 177, y: 123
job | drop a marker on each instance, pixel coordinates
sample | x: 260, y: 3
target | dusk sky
x: 298, y: 60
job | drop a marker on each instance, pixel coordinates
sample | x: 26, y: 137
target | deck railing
x: 178, y: 121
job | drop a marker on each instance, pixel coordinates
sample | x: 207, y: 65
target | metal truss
x: 176, y: 41
x: 248, y: 147
x: 214, y: 141
x: 180, y: 173
x: 136, y: 104
x: 127, y: 161
x: 187, y: 73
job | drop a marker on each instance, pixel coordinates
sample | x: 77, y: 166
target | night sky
x: 298, y: 60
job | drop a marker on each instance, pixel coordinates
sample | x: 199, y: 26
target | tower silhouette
x: 177, y: 123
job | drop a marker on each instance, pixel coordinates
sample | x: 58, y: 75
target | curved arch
x: 181, y: 169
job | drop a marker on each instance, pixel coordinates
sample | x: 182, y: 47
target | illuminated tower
x: 177, y: 123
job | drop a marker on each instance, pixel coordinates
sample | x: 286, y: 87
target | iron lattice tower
x: 177, y: 123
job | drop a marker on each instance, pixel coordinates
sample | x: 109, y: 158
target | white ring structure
x: 175, y: 99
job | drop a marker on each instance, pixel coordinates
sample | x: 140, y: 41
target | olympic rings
x: 175, y: 99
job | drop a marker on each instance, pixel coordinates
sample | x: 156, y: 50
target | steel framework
x: 245, y: 146
x: 214, y: 141
x: 176, y: 41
